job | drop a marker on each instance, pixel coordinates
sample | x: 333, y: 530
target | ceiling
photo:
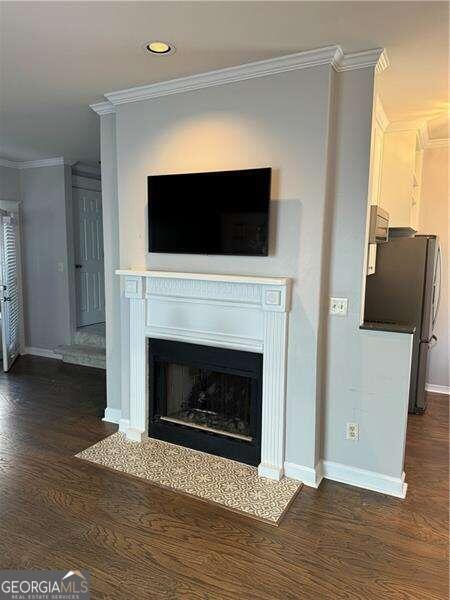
x: 59, y: 57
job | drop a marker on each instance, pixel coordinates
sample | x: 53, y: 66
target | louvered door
x: 9, y: 291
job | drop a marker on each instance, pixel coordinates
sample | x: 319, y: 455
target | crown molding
x: 407, y: 125
x: 417, y: 126
x: 420, y: 127
x: 103, y: 108
x: 262, y: 68
x: 86, y: 169
x: 438, y: 143
x: 11, y: 164
x: 328, y: 55
x: 46, y: 162
x: 383, y: 62
x: 361, y: 60
x: 32, y: 164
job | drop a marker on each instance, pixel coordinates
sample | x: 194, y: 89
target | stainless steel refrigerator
x: 405, y: 290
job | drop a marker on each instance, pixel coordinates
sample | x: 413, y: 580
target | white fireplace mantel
x: 229, y: 311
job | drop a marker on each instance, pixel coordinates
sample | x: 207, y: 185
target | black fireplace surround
x: 206, y: 398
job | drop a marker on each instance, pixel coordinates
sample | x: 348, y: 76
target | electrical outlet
x: 338, y: 306
x: 352, y: 432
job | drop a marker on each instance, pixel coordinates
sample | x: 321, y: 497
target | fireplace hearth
x: 206, y: 398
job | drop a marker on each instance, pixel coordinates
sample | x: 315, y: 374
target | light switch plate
x: 338, y: 306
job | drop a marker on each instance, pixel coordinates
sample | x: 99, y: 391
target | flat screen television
x: 222, y: 212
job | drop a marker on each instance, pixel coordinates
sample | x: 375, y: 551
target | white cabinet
x: 401, y: 176
x: 417, y: 185
x: 376, y: 162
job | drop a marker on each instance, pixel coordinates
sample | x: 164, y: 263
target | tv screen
x: 223, y: 212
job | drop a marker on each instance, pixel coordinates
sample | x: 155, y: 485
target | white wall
x: 280, y: 121
x: 45, y: 195
x: 9, y: 184
x: 45, y: 244
x: 112, y: 262
x: 434, y: 219
x: 313, y: 128
x: 367, y: 373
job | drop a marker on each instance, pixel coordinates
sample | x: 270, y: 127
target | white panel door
x: 89, y: 267
x: 9, y: 290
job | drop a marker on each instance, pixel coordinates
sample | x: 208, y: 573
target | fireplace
x: 206, y: 398
x: 209, y: 312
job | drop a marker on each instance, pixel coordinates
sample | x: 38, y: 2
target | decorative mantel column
x: 135, y: 290
x: 228, y: 311
x: 274, y: 392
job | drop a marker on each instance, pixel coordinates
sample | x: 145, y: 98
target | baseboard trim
x: 270, y: 472
x: 42, y: 352
x: 135, y: 435
x: 369, y: 480
x: 124, y: 425
x: 113, y: 415
x: 307, y: 475
x: 438, y: 389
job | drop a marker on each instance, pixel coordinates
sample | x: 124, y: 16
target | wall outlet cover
x: 338, y: 306
x: 352, y: 432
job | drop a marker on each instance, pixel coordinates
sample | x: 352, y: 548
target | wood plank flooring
x: 139, y: 541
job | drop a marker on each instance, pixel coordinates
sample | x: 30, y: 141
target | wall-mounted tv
x: 222, y: 212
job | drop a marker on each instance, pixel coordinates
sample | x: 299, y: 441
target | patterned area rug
x: 211, y: 478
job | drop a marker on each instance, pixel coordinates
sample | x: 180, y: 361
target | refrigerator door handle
x: 437, y: 279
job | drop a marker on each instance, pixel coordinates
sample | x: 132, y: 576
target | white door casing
x: 9, y: 289
x: 89, y: 262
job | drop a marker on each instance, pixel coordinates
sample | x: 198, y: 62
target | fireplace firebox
x: 206, y: 398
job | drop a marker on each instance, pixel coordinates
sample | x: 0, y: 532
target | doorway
x: 10, y: 289
x: 87, y: 279
x: 89, y: 259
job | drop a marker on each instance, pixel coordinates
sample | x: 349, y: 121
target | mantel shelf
x: 283, y: 281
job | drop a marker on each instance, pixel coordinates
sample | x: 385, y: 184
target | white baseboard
x: 307, y: 475
x: 369, y: 480
x: 438, y: 389
x: 41, y: 352
x: 124, y: 424
x: 135, y: 435
x: 112, y: 415
x: 270, y: 472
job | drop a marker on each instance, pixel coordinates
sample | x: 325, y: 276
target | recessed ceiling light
x: 158, y: 47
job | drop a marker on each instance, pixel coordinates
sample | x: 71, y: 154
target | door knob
x: 78, y: 266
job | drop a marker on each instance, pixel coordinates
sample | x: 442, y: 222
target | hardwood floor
x: 140, y: 541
